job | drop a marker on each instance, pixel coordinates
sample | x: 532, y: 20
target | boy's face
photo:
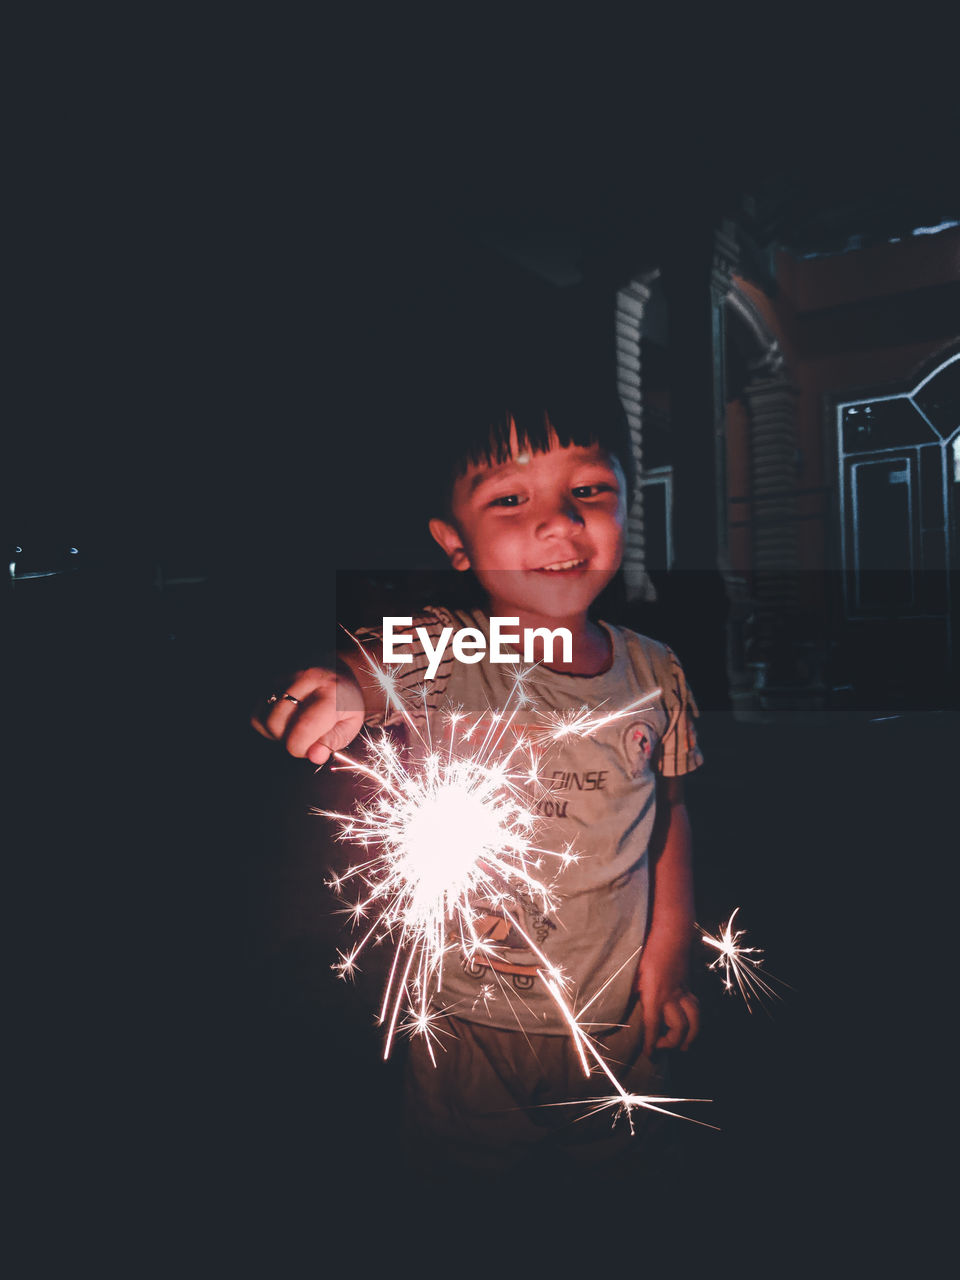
x: 543, y: 532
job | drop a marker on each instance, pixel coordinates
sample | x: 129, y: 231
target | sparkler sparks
x: 442, y: 835
x: 583, y: 723
x: 739, y: 965
x: 623, y: 1104
x: 444, y: 832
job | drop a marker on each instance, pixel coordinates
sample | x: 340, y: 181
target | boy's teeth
x: 564, y: 564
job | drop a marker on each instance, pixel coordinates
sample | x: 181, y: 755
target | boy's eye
x: 508, y: 500
x: 592, y: 490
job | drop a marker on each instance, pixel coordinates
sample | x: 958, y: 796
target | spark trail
x: 739, y: 965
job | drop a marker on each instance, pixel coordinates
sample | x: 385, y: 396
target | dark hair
x: 483, y: 431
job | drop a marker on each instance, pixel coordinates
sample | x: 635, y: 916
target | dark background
x: 250, y: 272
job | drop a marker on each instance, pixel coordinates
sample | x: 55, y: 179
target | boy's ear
x: 449, y: 538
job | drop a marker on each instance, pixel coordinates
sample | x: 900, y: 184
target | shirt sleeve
x: 679, y: 752
x: 408, y: 680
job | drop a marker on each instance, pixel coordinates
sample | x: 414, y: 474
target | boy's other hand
x: 318, y: 712
x: 671, y: 1012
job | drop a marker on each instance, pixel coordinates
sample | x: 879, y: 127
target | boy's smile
x: 542, y: 532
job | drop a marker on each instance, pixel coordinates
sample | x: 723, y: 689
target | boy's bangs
x: 483, y: 435
x: 491, y: 439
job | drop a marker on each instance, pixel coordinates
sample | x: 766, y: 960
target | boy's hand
x: 671, y: 1012
x: 318, y: 712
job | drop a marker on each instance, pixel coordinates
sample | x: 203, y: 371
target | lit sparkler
x: 441, y: 835
x: 451, y: 829
x: 739, y: 965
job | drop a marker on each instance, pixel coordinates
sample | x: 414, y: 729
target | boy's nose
x: 559, y: 518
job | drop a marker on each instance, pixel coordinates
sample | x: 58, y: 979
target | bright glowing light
x: 739, y: 965
x: 443, y: 831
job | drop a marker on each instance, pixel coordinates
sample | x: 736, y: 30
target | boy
x: 536, y: 511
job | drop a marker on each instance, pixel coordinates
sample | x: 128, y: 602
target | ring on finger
x: 282, y: 697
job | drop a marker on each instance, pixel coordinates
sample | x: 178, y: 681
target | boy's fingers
x: 333, y: 740
x: 316, y: 713
x: 677, y: 1025
x: 651, y: 1025
x: 338, y: 736
x: 308, y: 724
x: 277, y: 711
x: 280, y: 719
x: 284, y: 704
x: 691, y: 1007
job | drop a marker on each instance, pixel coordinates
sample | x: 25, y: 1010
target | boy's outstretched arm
x: 671, y: 1012
x: 321, y: 709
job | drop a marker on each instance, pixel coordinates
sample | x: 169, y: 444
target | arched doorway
x: 897, y: 468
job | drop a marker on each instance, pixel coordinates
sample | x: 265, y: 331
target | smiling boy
x: 536, y: 511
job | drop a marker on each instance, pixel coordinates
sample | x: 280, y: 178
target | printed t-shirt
x: 597, y: 800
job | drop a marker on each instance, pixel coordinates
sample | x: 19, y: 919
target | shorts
x: 505, y: 1101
